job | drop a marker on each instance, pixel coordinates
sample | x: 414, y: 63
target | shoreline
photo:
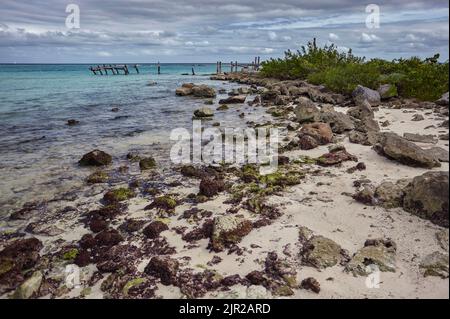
x: 174, y: 248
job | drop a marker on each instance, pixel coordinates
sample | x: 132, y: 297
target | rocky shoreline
x: 362, y: 182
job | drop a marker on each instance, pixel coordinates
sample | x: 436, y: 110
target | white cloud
x: 369, y: 38
x: 333, y: 37
x: 104, y: 54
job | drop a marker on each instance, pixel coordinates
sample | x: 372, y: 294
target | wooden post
x: 236, y: 65
x: 126, y: 69
x: 220, y: 67
x: 259, y: 62
x: 112, y: 69
x: 159, y: 68
x: 136, y: 67
x: 99, y: 69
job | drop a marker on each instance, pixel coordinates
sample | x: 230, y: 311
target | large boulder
x: 95, y: 158
x: 30, y: 287
x: 443, y: 100
x: 339, y: 122
x: 361, y: 93
x: 362, y: 110
x: 399, y: 149
x: 203, y: 91
x: 228, y: 230
x: 427, y: 197
x: 185, y: 89
x: 321, y: 132
x: 306, y: 110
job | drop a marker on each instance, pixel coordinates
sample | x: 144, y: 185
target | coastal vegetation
x: 425, y: 79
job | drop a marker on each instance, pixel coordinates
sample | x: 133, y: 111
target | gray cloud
x: 209, y: 30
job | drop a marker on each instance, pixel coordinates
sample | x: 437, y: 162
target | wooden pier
x: 115, y: 69
x: 237, y: 67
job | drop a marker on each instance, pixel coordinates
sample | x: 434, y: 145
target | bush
x: 425, y: 79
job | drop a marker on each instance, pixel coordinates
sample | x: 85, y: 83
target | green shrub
x: 426, y: 79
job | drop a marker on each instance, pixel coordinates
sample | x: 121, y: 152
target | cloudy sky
x: 35, y: 31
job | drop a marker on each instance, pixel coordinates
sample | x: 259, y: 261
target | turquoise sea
x: 39, y: 151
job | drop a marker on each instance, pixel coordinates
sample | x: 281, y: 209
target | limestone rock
x: 321, y: 252
x: 321, y: 132
x: 306, y: 111
x: 397, y: 148
x: 427, y: 197
x: 363, y: 93
x: 443, y: 100
x: 95, y: 158
x: 29, y: 286
x: 387, y: 91
x: 435, y: 264
x: 228, y: 230
x: 378, y: 252
x: 204, y: 112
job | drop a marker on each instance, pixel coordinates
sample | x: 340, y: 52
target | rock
x: 385, y: 123
x: 339, y: 122
x: 165, y: 203
x: 237, y: 99
x: 95, y: 158
x: 442, y: 239
x: 185, y: 89
x: 256, y: 277
x: 83, y: 258
x: 147, y: 163
x: 335, y: 157
x: 97, y: 178
x: 387, y: 91
x: 43, y: 229
x: 22, y: 253
x: 210, y: 187
x: 306, y: 111
x: 377, y: 252
x: 390, y: 195
x: 443, y: 100
x: 321, y: 252
x: 417, y: 118
x: 108, y: 237
x: 133, y: 156
x: 439, y: 153
x: 307, y: 142
x: 87, y: 241
x: 363, y: 93
x: 97, y: 225
x: 73, y: 122
x: 321, y: 132
x: 310, y: 283
x: 155, y: 228
x: 29, y: 287
x: 164, y: 268
x: 362, y: 110
x: 420, y: 138
x: 228, y: 230
x: 115, y: 109
x: 204, y: 112
x: 435, y: 264
x: 118, y: 195
x: 427, y: 197
x: 203, y: 91
x: 222, y: 107
x: 397, y: 148
x: 366, y: 196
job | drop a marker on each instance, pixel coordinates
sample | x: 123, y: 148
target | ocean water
x: 39, y: 151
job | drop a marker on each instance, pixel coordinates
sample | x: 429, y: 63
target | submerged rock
x: 97, y: 177
x: 228, y: 230
x: 427, y: 197
x: 204, y: 112
x: 147, y: 163
x: 237, y: 99
x: 377, y: 252
x: 95, y: 158
x: 435, y: 264
x: 203, y: 91
x: 397, y: 148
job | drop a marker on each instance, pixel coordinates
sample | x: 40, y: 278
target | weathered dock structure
x: 115, y: 69
x: 236, y: 66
